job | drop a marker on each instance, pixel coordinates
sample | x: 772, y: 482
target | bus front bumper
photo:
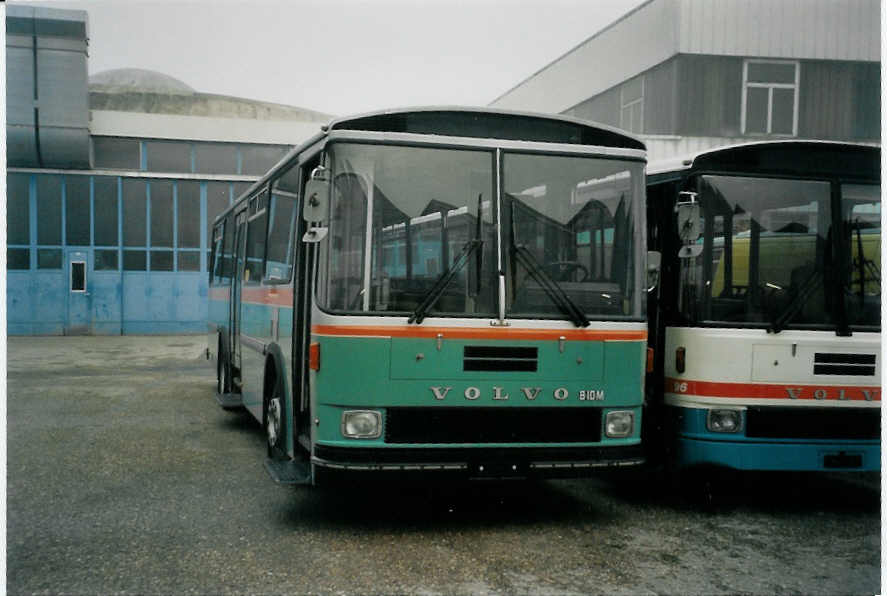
x: 479, y: 462
x: 780, y: 456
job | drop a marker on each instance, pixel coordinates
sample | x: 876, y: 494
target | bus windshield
x: 416, y: 230
x: 399, y: 218
x: 775, y: 254
x: 569, y: 228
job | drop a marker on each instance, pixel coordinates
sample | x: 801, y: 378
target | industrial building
x: 687, y: 75
x: 113, y: 182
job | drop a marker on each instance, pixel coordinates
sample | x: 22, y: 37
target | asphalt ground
x: 125, y: 477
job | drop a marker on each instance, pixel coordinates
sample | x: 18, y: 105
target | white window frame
x: 623, y: 105
x: 770, y: 87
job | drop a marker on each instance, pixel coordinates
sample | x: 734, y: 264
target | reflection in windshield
x: 400, y: 217
x: 861, y: 214
x: 774, y: 256
x: 576, y: 218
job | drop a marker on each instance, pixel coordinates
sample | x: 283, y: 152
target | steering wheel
x: 562, y: 270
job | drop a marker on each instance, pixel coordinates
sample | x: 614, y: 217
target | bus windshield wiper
x: 551, y: 287
x: 443, y: 281
x: 798, y: 301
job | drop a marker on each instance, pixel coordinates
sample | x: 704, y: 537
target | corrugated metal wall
x: 846, y: 30
x: 811, y: 29
x: 47, y: 121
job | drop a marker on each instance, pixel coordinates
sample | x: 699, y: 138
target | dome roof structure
x: 149, y: 92
x: 138, y: 80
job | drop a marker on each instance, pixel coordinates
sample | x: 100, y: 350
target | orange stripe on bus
x: 276, y: 296
x: 771, y: 391
x: 502, y: 333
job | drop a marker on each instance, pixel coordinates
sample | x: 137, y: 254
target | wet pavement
x: 124, y: 476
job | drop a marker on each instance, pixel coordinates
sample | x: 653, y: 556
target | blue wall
x: 129, y: 297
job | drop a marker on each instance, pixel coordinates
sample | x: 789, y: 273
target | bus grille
x: 500, y: 358
x: 813, y: 423
x: 492, y: 425
x: 860, y: 365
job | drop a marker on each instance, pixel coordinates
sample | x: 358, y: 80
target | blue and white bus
x: 767, y: 324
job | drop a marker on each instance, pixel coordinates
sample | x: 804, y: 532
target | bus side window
x: 216, y: 260
x: 256, y: 229
x: 226, y: 263
x: 281, y: 228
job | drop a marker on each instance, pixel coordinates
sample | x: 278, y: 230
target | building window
x: 770, y: 97
x: 116, y: 153
x: 168, y: 156
x: 631, y: 100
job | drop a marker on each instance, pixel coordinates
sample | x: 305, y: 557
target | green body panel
x: 579, y: 361
x: 376, y: 373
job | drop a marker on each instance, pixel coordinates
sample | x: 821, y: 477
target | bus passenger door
x: 236, y: 292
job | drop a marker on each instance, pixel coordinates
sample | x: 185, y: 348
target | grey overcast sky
x: 343, y: 56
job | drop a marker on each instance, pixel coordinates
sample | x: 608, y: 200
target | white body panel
x: 744, y: 367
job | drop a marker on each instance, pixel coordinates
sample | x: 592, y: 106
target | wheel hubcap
x: 273, y: 423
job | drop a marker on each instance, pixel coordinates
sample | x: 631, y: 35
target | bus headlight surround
x: 619, y: 424
x: 724, y: 421
x: 361, y: 424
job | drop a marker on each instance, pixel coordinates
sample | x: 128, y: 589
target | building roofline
x: 574, y: 48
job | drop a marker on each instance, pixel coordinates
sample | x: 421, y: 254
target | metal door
x: 79, y: 272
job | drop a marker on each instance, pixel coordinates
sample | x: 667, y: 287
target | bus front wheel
x: 275, y: 423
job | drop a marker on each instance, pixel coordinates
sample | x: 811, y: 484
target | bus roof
x: 491, y: 123
x: 790, y: 157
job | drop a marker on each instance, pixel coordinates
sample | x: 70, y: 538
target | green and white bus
x: 438, y: 291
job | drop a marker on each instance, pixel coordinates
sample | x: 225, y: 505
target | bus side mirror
x: 687, y: 209
x: 317, y: 196
x: 654, y: 266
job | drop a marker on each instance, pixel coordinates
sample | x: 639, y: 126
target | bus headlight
x: 619, y: 423
x: 361, y: 424
x: 724, y: 421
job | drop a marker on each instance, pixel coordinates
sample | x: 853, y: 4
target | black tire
x: 274, y: 421
x: 223, y: 371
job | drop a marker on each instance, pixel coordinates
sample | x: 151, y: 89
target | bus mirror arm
x: 654, y: 266
x: 317, y: 193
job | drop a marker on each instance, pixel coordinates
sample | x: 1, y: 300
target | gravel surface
x: 125, y: 477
